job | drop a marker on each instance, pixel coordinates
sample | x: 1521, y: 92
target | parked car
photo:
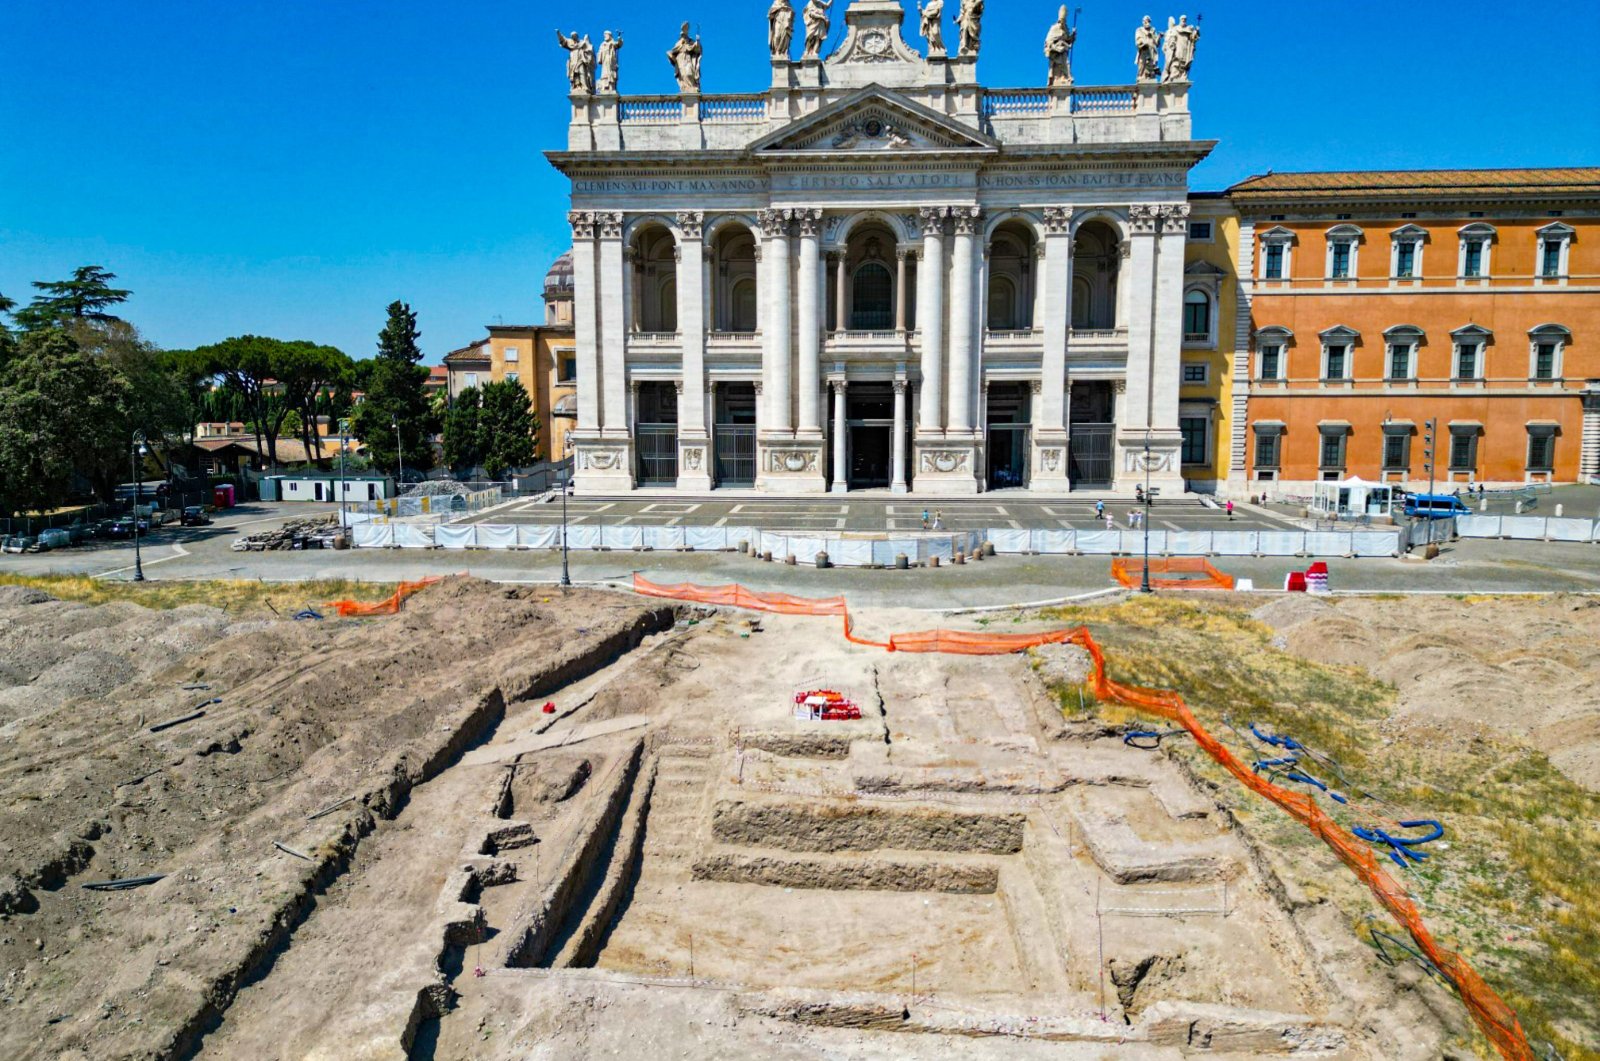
x: 122, y: 527
x: 194, y: 516
x: 1435, y: 506
x: 54, y: 538
x: 20, y: 543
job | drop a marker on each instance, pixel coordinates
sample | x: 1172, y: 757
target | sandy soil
x: 1523, y: 667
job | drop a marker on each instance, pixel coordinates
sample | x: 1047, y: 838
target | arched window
x: 744, y: 305
x: 1196, y: 315
x: 1002, y: 304
x: 668, y: 315
x: 872, y: 305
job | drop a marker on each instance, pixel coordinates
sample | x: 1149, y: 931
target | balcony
x: 864, y: 343
x: 1104, y: 341
x: 735, y: 345
x: 1014, y: 341
x: 657, y: 345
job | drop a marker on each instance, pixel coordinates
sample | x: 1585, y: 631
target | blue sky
x: 288, y: 167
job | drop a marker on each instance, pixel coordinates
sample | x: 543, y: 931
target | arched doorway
x: 864, y: 283
x: 654, y: 305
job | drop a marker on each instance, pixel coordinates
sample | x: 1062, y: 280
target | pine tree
x: 396, y: 397
x: 85, y: 297
x: 507, y: 428
x: 461, y: 433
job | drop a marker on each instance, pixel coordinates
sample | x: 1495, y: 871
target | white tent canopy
x: 1354, y: 496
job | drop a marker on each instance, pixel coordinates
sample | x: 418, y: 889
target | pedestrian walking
x: 938, y: 521
x: 1111, y: 524
x: 1230, y: 508
x: 924, y: 519
x: 1099, y: 510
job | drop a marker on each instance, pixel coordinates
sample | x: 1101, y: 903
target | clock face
x: 875, y: 42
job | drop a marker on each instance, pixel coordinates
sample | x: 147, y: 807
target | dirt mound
x: 1291, y: 610
x: 19, y: 596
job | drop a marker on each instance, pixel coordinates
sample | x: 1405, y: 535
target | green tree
x: 85, y: 297
x: 272, y: 378
x: 461, y: 450
x: 8, y: 343
x: 396, y: 398
x: 508, y: 430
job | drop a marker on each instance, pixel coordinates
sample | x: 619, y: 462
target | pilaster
x: 930, y: 320
x: 1148, y: 439
x: 694, y: 469
x: 809, y: 350
x: 1048, y: 463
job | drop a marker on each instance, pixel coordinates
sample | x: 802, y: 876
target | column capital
x: 1119, y: 386
x: 775, y: 222
x: 1036, y: 386
x: 932, y: 218
x: 905, y: 254
x: 900, y: 386
x: 610, y: 224
x: 966, y: 219
x: 757, y: 385
x: 1175, y: 219
x: 810, y: 221
x: 1057, y: 220
x: 840, y: 384
x: 692, y: 223
x: 1143, y: 218
x: 677, y: 386
x: 633, y: 385
x: 583, y: 224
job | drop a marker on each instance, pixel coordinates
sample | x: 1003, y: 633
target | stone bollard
x: 960, y: 557
x: 988, y: 549
x: 789, y: 560
x: 766, y: 557
x: 1558, y: 511
x: 822, y: 560
x: 933, y: 561
x: 978, y: 553
x: 902, y: 562
x: 744, y: 547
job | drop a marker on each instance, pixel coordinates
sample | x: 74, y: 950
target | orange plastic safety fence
x: 1496, y: 1019
x: 390, y: 605
x: 1131, y: 573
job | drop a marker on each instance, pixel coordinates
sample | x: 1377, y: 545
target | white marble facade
x: 879, y: 274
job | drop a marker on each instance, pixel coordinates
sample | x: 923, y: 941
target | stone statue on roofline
x: 933, y: 26
x: 1179, y: 45
x: 780, y: 28
x: 970, y: 19
x: 1058, y: 49
x: 818, y: 22
x: 580, y: 61
x: 609, y: 47
x: 1147, y: 45
x: 685, y: 59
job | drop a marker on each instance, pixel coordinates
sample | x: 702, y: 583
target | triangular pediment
x: 874, y: 119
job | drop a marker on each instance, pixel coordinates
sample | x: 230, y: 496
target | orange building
x: 1380, y: 301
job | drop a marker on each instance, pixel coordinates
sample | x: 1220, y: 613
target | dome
x: 559, y: 279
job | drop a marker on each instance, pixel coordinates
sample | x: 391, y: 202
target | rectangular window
x: 569, y: 369
x: 1544, y: 361
x: 1196, y: 372
x: 1550, y: 262
x: 1200, y: 231
x: 1472, y: 258
x: 1396, y: 452
x: 1466, y: 361
x: 472, y: 379
x: 1463, y: 451
x: 1271, y: 362
x: 1336, y: 362
x: 1194, y: 430
x: 1274, y: 261
x: 1541, y: 451
x: 512, y: 377
x: 1267, y: 450
x: 511, y: 353
x: 1400, y: 361
x: 1333, y: 449
x: 1405, y: 259
x: 1340, y: 265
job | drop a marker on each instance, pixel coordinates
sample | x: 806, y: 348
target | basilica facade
x: 878, y: 273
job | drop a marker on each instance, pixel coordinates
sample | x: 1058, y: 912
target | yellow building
x: 541, y: 357
x: 1211, y: 342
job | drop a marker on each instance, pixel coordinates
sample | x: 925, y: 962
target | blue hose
x: 1400, y: 846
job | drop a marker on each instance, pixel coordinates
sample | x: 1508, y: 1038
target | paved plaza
x: 877, y: 515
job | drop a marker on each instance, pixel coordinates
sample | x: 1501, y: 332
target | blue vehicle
x: 1435, y: 506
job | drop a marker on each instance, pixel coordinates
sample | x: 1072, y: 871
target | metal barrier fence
x: 425, y: 508
x: 861, y: 551
x: 1529, y: 528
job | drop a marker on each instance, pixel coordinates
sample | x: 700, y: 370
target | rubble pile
x: 295, y: 534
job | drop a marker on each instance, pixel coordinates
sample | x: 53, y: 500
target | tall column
x: 694, y: 472
x: 841, y: 320
x: 930, y: 317
x: 1166, y: 348
x: 1057, y: 311
x: 897, y: 485
x: 776, y: 347
x: 613, y: 341
x: 900, y: 257
x: 962, y: 281
x: 584, y: 324
x: 1139, y: 282
x: 810, y: 309
x: 841, y: 471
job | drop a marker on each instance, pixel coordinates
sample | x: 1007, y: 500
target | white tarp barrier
x: 1055, y: 542
x: 372, y: 535
x: 665, y: 537
x: 743, y: 534
x: 1189, y: 543
x: 1524, y: 527
x: 1099, y: 542
x: 408, y: 536
x: 1328, y: 543
x: 495, y: 536
x: 883, y: 552
x: 706, y: 537
x: 1570, y: 530
x: 805, y: 550
x: 1235, y: 543
x: 1478, y: 526
x: 1374, y: 543
x: 448, y: 537
x: 767, y: 541
x: 1280, y: 543
x: 352, y: 518
x: 943, y: 548
x: 852, y: 553
x: 1133, y: 542
x: 583, y: 537
x: 531, y: 536
x: 622, y: 537
x: 1009, y: 540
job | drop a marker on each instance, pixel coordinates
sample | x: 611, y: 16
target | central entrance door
x: 869, y: 411
x: 656, y: 435
x: 734, y: 435
x: 1090, y: 438
x: 1008, y: 419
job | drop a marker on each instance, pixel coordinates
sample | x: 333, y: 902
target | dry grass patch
x: 240, y: 597
x: 1516, y: 885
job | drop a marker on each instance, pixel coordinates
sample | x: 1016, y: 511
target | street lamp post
x: 566, y: 576
x: 1144, y: 582
x: 399, y: 455
x: 134, y: 453
x: 344, y: 491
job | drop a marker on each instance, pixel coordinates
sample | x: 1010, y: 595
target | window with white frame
x: 1338, y: 351
x: 1464, y: 447
x: 1269, y: 448
x: 1331, y: 452
x: 1470, y: 344
x: 1555, y: 243
x: 1542, y: 447
x: 1272, y: 345
x: 1196, y: 315
x: 511, y: 353
x: 1401, y: 342
x: 1277, y: 249
x: 1200, y: 232
x: 1546, y: 344
x: 1344, y: 241
x: 1405, y: 252
x: 1196, y: 439
x: 472, y: 379
x: 1476, y: 243
x: 1196, y: 372
x: 1397, y: 447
